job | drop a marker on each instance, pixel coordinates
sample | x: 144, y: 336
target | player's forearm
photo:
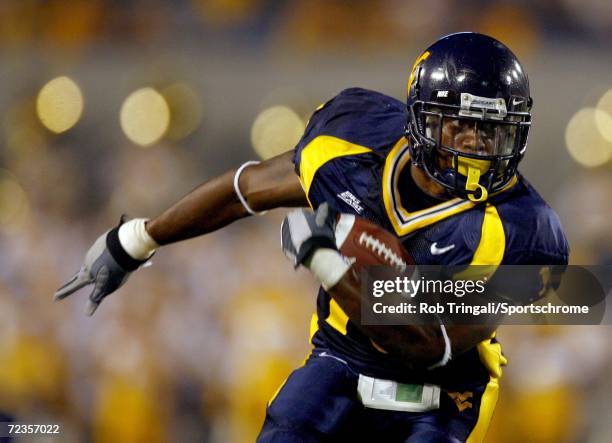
x: 215, y: 204
x: 211, y: 206
x: 418, y: 346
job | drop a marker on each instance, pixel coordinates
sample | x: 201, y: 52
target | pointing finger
x: 79, y: 280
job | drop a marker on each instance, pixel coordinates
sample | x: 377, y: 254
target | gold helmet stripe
x: 420, y: 59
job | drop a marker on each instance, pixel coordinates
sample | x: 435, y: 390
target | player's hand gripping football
x: 107, y: 267
x: 308, y: 239
x: 304, y: 231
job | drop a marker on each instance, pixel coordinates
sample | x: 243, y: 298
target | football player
x: 439, y: 172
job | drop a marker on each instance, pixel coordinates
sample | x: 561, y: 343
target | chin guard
x: 473, y: 169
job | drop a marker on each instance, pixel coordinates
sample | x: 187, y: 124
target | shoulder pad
x: 357, y: 116
x: 534, y: 234
x: 346, y: 138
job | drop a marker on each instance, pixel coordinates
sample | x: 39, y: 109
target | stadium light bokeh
x: 584, y: 140
x: 145, y: 116
x: 14, y: 204
x: 604, y: 117
x: 276, y: 130
x: 185, y: 110
x: 59, y: 104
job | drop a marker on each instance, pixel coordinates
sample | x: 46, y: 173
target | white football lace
x: 382, y: 250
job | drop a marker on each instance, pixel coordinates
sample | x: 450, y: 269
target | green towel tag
x: 409, y: 393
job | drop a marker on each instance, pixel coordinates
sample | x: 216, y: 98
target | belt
x: 377, y: 393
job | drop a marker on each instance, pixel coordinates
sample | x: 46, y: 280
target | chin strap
x: 472, y: 169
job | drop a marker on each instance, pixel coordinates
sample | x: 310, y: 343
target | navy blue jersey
x: 354, y: 156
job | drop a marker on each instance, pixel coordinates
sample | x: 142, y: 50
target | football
x: 369, y: 244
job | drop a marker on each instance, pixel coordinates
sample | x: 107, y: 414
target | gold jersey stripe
x: 314, y: 325
x: 487, y: 406
x: 337, y: 318
x: 490, y: 250
x: 405, y: 222
x: 491, y: 356
x: 321, y: 150
x: 489, y: 253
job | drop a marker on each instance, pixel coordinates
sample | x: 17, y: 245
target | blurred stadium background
x: 113, y: 106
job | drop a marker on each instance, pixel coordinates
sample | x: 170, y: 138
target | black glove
x: 304, y: 231
x: 106, y: 265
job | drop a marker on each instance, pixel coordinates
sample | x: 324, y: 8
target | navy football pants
x: 319, y: 403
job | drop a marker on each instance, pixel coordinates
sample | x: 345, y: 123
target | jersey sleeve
x: 355, y: 123
x: 536, y: 252
x: 534, y: 234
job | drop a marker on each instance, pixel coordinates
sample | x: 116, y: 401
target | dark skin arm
x: 273, y: 184
x: 418, y: 346
x: 214, y: 204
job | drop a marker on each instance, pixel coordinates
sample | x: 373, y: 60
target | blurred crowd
x: 308, y: 23
x: 190, y: 350
x: 193, y: 347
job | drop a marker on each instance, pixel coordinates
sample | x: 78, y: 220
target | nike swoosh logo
x: 517, y: 102
x: 438, y: 251
x: 325, y: 354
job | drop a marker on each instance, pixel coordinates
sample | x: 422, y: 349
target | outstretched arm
x: 212, y: 205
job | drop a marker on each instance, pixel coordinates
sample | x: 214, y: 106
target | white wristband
x: 328, y: 266
x: 447, y: 350
x: 245, y: 204
x: 135, y: 239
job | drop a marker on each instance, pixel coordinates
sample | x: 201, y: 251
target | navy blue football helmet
x: 468, y: 114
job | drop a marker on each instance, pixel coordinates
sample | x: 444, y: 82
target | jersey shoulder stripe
x: 321, y: 150
x: 356, y: 122
x: 492, y: 246
x: 357, y: 116
x: 403, y: 221
x: 360, y: 116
